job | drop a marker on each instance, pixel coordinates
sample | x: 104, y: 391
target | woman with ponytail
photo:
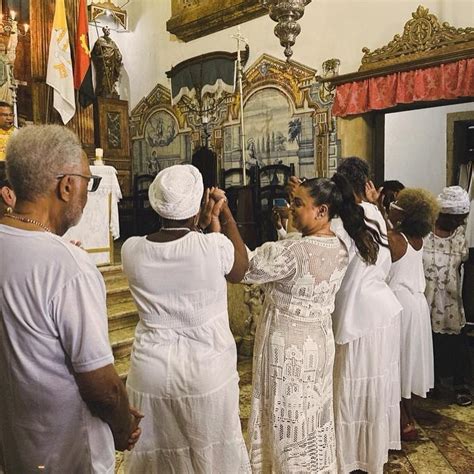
x: 366, y: 324
x: 291, y: 426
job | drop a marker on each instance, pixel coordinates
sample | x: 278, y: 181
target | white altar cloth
x: 99, y: 224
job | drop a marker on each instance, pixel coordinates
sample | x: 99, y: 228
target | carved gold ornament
x: 422, y: 36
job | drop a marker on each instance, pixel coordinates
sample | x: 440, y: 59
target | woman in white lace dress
x: 366, y: 323
x: 291, y: 427
x: 183, y: 374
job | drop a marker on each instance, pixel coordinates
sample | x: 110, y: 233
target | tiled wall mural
x: 287, y: 121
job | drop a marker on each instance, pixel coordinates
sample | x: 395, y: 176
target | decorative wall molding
x: 423, y: 36
x: 298, y: 83
x: 425, y: 42
x: 292, y: 77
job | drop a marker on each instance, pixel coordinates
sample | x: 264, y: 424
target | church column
x: 41, y: 17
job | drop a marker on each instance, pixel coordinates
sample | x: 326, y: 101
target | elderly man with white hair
x: 63, y: 407
x: 183, y: 373
x: 444, y: 251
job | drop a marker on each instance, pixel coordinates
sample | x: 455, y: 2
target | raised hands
x: 293, y: 183
x: 214, y: 201
x: 372, y: 194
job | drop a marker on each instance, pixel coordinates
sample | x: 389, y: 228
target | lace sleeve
x: 271, y: 262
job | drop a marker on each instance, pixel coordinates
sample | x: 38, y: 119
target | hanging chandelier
x: 286, y: 13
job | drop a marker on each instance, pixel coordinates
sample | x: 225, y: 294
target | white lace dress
x: 291, y: 427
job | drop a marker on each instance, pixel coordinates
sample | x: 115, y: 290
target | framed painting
x: 112, y: 130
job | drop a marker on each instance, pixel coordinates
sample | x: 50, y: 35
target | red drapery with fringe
x: 446, y: 81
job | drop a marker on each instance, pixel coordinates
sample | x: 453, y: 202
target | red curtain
x: 447, y: 81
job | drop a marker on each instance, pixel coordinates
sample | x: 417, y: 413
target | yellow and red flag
x: 59, y: 75
x: 82, y: 62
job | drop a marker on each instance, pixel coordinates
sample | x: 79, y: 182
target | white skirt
x: 416, y: 344
x: 367, y: 399
x: 185, y: 382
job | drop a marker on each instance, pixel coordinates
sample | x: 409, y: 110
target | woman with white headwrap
x: 183, y: 374
x: 445, y: 249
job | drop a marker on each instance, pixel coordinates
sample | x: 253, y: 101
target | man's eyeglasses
x: 93, y: 181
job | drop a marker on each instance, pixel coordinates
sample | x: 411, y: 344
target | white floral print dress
x: 442, y: 258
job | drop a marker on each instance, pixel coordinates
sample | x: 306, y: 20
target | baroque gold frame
x: 296, y: 81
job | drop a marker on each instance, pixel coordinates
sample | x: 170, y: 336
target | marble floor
x: 446, y: 444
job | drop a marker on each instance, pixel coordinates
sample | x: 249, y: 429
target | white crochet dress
x: 291, y: 427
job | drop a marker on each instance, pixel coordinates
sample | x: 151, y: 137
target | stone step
x: 121, y: 342
x: 118, y: 291
x: 122, y: 315
x: 110, y: 272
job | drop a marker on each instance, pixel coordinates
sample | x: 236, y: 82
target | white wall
x: 415, y: 146
x: 330, y: 29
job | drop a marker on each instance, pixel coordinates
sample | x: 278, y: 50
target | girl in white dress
x: 413, y: 215
x: 366, y: 324
x: 291, y: 427
x: 183, y: 375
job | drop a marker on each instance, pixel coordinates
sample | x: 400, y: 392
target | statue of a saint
x: 107, y: 61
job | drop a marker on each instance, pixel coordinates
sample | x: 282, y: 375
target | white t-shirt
x: 52, y: 323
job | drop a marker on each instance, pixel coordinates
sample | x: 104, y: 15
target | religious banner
x: 82, y: 59
x: 59, y: 75
x: 203, y: 74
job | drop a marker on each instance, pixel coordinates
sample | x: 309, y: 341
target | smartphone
x: 280, y: 202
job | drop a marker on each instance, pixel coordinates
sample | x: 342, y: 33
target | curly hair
x: 356, y: 171
x: 420, y: 212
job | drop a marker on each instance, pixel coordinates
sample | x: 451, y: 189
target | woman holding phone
x: 291, y: 427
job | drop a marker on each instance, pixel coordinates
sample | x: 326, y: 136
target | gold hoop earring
x: 9, y: 210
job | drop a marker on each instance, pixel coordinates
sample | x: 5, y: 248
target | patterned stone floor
x: 446, y: 444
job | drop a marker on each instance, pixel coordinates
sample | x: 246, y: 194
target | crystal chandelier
x: 286, y: 13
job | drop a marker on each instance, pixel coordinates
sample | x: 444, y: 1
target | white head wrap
x: 176, y: 192
x: 454, y: 200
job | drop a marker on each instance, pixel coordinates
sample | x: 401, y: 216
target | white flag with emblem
x: 60, y: 76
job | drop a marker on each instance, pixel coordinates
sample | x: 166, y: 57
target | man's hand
x: 136, y: 431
